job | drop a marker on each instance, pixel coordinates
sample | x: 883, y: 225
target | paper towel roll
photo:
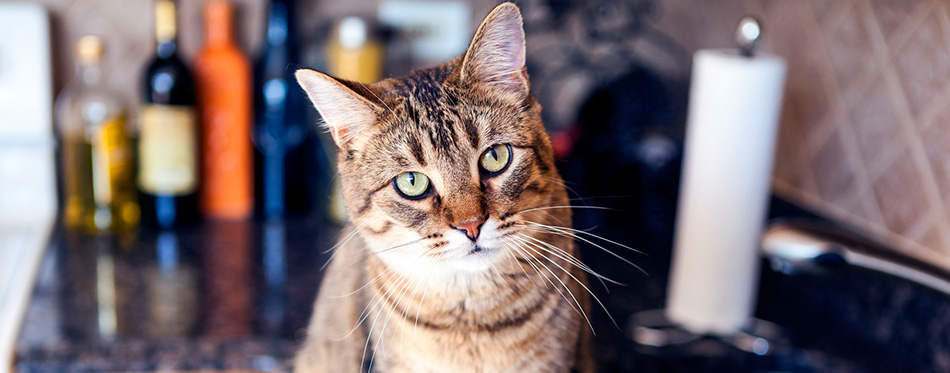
x: 734, y: 106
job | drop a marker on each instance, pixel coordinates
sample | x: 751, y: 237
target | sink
x: 842, y: 318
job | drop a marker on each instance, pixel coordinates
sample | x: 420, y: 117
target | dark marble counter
x: 218, y: 295
x: 237, y: 295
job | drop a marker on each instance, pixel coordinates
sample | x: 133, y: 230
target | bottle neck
x: 218, y: 31
x: 166, y: 49
x: 88, y: 74
x: 278, y: 25
x: 166, y: 29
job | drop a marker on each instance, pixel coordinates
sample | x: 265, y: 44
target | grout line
x: 873, y: 232
x: 910, y: 25
x: 918, y: 229
x: 943, y: 96
x: 837, y: 13
x: 912, y: 139
x: 888, y: 154
x: 867, y: 78
x: 940, y: 102
x: 816, y: 203
x: 848, y: 138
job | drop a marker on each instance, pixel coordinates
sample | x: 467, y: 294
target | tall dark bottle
x: 168, y: 137
x: 280, y: 125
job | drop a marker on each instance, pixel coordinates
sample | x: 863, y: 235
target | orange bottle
x: 223, y: 78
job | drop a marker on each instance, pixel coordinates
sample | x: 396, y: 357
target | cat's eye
x: 496, y: 159
x: 411, y: 185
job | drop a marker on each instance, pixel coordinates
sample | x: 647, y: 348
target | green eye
x: 411, y: 184
x: 496, y: 158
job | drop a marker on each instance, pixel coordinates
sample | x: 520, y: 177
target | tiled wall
x: 865, y: 134
x: 127, y: 27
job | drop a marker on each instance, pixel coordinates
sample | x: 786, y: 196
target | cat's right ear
x: 345, y: 112
x: 496, y: 56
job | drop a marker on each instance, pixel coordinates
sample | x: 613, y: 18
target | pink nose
x: 470, y: 228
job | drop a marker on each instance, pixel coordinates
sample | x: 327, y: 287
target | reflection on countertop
x: 238, y: 295
x: 220, y: 295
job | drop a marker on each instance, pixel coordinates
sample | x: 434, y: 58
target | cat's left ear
x: 345, y: 111
x: 496, y: 56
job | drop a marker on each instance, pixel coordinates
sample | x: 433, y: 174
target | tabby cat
x: 459, y: 255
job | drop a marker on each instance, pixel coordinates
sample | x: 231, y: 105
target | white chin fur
x: 458, y: 263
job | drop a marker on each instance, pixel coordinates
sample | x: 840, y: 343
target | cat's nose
x: 470, y: 228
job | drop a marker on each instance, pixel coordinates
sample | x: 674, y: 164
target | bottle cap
x: 89, y: 49
x: 352, y: 32
x: 165, y: 28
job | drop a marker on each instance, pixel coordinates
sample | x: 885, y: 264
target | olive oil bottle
x: 97, y: 149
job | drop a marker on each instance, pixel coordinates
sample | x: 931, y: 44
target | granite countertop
x: 218, y: 295
x: 238, y: 295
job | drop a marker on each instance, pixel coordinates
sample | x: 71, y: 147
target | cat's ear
x: 345, y: 112
x: 496, y: 56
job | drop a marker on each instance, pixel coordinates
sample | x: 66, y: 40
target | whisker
x: 591, y: 235
x: 419, y: 308
x: 625, y: 260
x: 373, y: 302
x: 371, y: 253
x: 530, y: 263
x: 400, y: 294
x: 566, y: 288
x: 341, y: 243
x: 361, y: 288
x: 377, y: 98
x: 579, y: 310
x: 349, y: 236
x: 514, y: 262
x: 578, y: 199
x: 403, y: 279
x: 540, y: 208
x: 588, y: 291
x: 563, y: 184
x: 574, y: 261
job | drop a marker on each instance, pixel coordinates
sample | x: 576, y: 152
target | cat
x: 459, y: 253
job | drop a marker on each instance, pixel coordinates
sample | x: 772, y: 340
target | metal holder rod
x: 748, y: 33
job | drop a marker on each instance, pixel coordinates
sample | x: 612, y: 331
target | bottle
x: 280, y: 127
x: 97, y: 149
x: 168, y: 145
x: 354, y: 52
x: 223, y: 78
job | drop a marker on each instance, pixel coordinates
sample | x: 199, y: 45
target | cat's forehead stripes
x: 428, y: 121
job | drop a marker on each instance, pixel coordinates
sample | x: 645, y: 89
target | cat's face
x: 441, y: 169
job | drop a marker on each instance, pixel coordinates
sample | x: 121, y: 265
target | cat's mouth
x: 480, y: 252
x: 475, y: 258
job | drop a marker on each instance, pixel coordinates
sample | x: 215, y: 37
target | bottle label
x: 111, y: 169
x: 168, y: 150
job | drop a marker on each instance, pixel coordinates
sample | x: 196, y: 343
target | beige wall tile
x: 900, y: 194
x: 875, y: 127
x: 834, y: 174
x: 923, y: 63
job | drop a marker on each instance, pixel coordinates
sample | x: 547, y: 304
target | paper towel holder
x: 748, y: 32
x: 654, y: 331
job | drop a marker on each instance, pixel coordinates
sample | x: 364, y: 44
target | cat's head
x: 441, y: 169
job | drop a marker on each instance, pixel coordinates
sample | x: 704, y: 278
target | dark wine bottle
x: 280, y: 125
x: 168, y: 137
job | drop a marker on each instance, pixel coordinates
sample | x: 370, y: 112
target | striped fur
x: 405, y: 291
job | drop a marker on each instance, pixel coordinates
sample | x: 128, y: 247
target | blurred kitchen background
x: 863, y: 141
x: 867, y: 90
